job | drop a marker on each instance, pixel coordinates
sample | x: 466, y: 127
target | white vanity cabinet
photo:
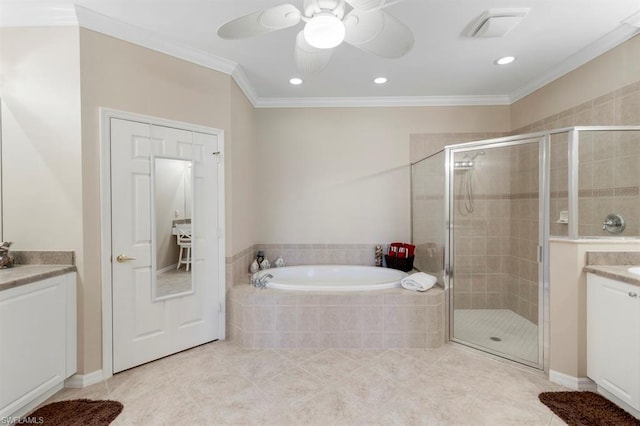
x: 613, y: 338
x: 37, y: 341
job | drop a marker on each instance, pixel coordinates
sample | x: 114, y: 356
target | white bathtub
x: 333, y: 278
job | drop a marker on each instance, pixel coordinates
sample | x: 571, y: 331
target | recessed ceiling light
x: 505, y: 60
x: 296, y: 81
x: 380, y: 80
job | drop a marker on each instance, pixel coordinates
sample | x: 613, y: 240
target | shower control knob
x: 613, y: 223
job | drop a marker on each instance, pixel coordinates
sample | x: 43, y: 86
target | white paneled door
x: 146, y: 327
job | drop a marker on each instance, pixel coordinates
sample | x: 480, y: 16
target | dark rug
x: 77, y: 412
x: 586, y: 408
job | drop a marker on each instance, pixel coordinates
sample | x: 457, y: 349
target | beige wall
x: 119, y: 75
x: 341, y: 175
x: 607, y: 73
x: 241, y: 156
x: 39, y: 87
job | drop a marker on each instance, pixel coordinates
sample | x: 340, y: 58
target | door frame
x: 106, y: 114
x: 543, y: 141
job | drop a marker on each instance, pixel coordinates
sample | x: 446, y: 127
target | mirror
x: 171, y: 221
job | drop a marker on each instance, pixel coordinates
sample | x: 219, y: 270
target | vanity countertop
x: 615, y: 272
x: 614, y: 265
x: 26, y: 274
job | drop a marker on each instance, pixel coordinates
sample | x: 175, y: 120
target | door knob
x: 124, y: 258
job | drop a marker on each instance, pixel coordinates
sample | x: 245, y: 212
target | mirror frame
x: 154, y: 237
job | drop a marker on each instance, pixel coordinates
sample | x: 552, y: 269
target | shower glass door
x: 495, y: 244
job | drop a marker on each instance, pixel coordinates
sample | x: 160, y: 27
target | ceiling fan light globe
x: 324, y: 31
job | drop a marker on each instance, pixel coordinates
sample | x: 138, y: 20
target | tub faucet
x: 261, y: 282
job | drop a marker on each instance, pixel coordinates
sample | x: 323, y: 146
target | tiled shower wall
x: 428, y: 228
x: 495, y: 250
x: 609, y: 181
x: 522, y: 290
x: 495, y: 245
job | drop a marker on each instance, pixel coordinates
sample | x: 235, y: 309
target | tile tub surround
x: 237, y: 266
x: 321, y: 254
x: 394, y: 318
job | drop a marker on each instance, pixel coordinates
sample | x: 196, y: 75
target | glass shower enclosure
x: 495, y: 206
x: 483, y: 213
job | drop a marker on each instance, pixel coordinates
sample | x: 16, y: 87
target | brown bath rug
x: 586, y: 409
x: 77, y: 412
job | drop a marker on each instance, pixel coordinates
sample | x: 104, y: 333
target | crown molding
x: 98, y: 22
x: 243, y: 82
x: 37, y: 14
x: 34, y: 14
x: 401, y: 101
x: 613, y: 39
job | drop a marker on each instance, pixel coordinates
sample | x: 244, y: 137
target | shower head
x: 467, y: 162
x: 463, y: 165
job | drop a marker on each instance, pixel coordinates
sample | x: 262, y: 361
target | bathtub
x: 333, y: 278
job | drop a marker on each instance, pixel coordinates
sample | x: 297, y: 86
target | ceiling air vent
x: 496, y: 22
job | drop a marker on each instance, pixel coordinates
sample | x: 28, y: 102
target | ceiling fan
x: 366, y: 26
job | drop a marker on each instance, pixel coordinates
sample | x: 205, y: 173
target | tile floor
x: 223, y: 384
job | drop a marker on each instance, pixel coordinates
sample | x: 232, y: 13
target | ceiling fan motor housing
x: 312, y: 7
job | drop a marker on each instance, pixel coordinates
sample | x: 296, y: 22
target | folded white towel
x: 418, y: 281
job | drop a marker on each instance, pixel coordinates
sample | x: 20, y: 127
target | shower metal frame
x: 542, y: 139
x: 544, y: 175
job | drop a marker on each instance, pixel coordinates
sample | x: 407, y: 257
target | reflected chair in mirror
x: 184, y: 241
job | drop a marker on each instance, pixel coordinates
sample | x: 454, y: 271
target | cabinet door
x: 613, y: 333
x: 33, y: 341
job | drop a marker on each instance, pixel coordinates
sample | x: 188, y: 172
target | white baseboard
x: 14, y: 418
x: 575, y: 383
x: 84, y: 380
x: 611, y: 397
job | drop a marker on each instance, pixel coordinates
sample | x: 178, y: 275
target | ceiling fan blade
x: 378, y: 32
x: 369, y: 5
x: 261, y: 22
x: 310, y: 59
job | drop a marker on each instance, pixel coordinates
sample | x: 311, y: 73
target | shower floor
x: 518, y: 336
